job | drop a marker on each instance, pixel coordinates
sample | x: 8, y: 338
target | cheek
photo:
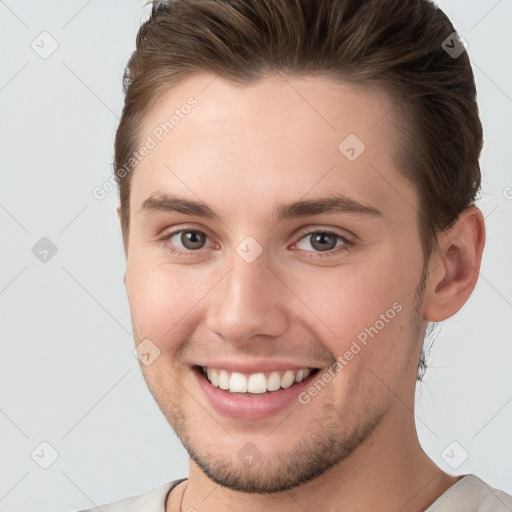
x: 365, y: 311
x: 163, y: 299
x: 349, y: 298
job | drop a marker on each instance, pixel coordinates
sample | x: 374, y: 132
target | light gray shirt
x: 469, y: 494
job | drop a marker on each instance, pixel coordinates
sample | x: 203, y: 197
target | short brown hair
x: 396, y: 46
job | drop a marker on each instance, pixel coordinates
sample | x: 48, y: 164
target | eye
x: 185, y: 241
x: 323, y: 242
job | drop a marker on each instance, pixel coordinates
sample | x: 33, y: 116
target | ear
x: 454, y: 270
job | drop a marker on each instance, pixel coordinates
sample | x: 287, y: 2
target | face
x: 273, y: 240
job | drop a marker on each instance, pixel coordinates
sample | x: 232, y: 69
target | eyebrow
x: 336, y: 203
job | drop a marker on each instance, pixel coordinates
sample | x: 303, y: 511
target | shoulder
x: 151, y: 501
x: 472, y: 494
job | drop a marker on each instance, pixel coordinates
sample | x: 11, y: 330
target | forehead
x: 283, y: 136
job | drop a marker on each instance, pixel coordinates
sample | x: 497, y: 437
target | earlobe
x: 118, y: 210
x: 455, y: 270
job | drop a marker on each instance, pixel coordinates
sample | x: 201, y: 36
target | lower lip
x: 250, y: 407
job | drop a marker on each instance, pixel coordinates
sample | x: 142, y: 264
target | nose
x: 250, y: 301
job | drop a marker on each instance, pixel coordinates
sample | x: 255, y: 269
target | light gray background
x: 67, y: 372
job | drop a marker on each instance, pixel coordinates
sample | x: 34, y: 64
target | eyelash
x: 313, y: 254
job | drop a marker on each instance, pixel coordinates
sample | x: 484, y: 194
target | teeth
x: 274, y: 382
x: 302, y: 375
x: 238, y: 383
x: 256, y: 383
x: 223, y: 379
x: 287, y: 379
x: 213, y: 377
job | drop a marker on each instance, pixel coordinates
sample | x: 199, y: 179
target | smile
x: 254, y: 383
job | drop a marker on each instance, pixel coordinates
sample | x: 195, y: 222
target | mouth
x: 255, y: 384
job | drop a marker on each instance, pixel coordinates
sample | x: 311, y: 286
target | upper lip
x: 250, y: 367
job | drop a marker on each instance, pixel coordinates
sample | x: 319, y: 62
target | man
x: 297, y: 183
